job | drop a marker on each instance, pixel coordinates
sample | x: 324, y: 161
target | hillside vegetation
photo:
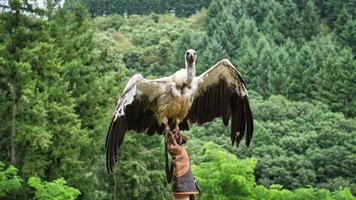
x: 62, y: 69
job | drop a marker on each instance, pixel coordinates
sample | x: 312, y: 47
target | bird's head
x: 190, y: 57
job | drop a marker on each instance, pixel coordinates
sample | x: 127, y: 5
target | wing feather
x: 133, y: 112
x: 115, y: 138
x: 249, y: 120
x: 221, y: 92
x: 241, y: 123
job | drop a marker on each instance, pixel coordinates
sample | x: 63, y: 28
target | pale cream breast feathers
x: 180, y: 77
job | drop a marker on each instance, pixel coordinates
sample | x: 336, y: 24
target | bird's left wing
x: 221, y: 92
x: 134, y: 112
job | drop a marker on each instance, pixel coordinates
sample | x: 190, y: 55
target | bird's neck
x: 190, y: 72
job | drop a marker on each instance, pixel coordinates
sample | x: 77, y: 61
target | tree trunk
x: 13, y: 125
x: 13, y: 51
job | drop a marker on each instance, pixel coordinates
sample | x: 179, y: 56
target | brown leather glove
x: 180, y: 159
x: 183, y: 180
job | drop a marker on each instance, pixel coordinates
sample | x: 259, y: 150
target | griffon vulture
x: 149, y: 105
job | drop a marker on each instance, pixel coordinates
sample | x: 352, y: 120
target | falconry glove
x: 180, y: 172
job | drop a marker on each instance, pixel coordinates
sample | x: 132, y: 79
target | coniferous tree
x: 271, y: 26
x: 265, y: 62
x: 222, y: 27
x: 301, y: 75
x: 310, y: 20
x: 345, y: 29
x: 246, y: 58
x: 44, y: 124
x: 291, y: 23
x: 212, y: 54
x: 335, y: 82
x: 68, y: 72
x: 95, y: 74
x: 331, y: 9
x: 188, y: 40
x: 278, y: 74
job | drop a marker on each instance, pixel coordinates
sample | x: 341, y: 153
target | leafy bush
x: 56, y: 190
x: 222, y: 176
x: 9, y: 180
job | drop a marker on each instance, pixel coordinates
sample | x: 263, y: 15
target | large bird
x: 152, y: 105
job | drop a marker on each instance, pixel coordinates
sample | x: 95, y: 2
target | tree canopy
x: 62, y: 68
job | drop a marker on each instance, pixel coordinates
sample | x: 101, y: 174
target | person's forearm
x: 180, y: 197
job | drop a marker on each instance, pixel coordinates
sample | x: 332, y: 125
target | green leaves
x: 56, y: 190
x: 309, y: 140
x: 333, y: 81
x: 61, y: 72
x: 140, y: 170
x: 136, y: 7
x: 9, y: 180
x: 222, y: 176
x: 295, y: 143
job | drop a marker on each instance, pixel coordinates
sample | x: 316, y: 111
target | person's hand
x: 172, y: 146
x: 180, y: 159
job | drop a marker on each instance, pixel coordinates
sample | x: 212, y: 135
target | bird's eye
x: 194, y: 53
x: 187, y: 53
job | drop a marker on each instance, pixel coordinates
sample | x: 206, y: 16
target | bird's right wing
x: 133, y: 112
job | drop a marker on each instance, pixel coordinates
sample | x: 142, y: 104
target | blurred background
x: 64, y: 63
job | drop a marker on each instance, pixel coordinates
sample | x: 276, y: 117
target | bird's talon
x: 176, y: 130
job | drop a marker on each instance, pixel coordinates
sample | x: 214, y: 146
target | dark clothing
x: 184, y: 183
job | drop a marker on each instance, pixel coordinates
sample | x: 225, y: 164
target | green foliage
x: 145, y: 44
x: 222, y: 176
x: 311, y: 20
x: 43, y: 115
x: 295, y: 143
x: 276, y: 192
x: 333, y: 81
x: 270, y: 51
x: 56, y: 87
x: 345, y: 30
x: 57, y: 189
x: 132, y: 7
x: 279, y: 47
x: 9, y: 180
x: 142, y: 177
x: 61, y: 71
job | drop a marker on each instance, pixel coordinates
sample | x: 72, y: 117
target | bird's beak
x: 190, y: 59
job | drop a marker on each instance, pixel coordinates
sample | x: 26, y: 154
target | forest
x: 63, y: 64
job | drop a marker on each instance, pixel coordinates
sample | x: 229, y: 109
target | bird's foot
x: 180, y: 138
x: 167, y: 132
x: 177, y: 134
x: 176, y: 130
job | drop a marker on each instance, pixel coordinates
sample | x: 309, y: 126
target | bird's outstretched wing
x: 133, y: 112
x: 221, y: 92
